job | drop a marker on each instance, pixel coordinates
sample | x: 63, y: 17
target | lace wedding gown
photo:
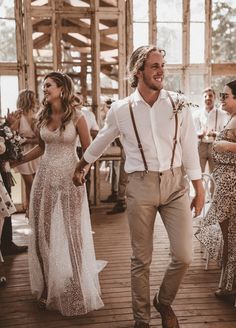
x: 61, y: 251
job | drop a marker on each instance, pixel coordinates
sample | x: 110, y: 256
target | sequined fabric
x: 61, y: 253
x: 223, y: 207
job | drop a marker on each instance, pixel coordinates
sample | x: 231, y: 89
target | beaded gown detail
x: 61, y: 250
x: 223, y: 207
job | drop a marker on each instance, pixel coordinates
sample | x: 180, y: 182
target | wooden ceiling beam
x: 41, y: 41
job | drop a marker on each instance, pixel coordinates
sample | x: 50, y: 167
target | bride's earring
x: 61, y: 94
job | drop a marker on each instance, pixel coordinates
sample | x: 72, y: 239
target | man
x: 155, y: 178
x: 208, y: 122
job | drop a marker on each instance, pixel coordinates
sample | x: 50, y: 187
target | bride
x: 62, y: 265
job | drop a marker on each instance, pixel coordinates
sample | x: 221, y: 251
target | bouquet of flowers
x: 10, y: 143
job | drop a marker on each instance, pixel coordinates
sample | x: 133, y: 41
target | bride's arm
x: 32, y: 154
x: 83, y: 132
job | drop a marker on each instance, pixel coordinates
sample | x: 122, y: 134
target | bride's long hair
x: 68, y: 100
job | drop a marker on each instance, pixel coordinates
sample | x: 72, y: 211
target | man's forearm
x: 198, y: 186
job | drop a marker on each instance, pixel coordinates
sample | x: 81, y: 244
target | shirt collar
x: 136, y: 96
x: 213, y: 110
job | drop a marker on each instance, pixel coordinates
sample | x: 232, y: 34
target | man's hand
x: 198, y: 203
x: 199, y: 199
x: 79, y: 177
x: 80, y: 172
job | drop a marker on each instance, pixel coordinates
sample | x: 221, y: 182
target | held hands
x: 201, y: 135
x: 212, y: 134
x: 80, y: 172
x: 198, y: 203
x: 79, y: 177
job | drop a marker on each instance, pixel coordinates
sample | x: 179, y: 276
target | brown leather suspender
x: 176, y: 131
x: 138, y: 139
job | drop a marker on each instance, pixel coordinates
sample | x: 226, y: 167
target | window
x: 140, y: 24
x: 170, y: 29
x: 7, y: 32
x: 197, y: 31
x: 8, y: 95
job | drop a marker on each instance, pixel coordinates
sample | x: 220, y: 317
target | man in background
x: 208, y: 121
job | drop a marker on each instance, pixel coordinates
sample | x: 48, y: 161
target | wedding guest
x: 224, y: 213
x: 62, y: 266
x: 208, y: 121
x: 8, y: 247
x: 25, y: 125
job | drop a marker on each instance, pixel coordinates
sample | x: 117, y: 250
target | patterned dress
x: 61, y: 252
x: 223, y: 207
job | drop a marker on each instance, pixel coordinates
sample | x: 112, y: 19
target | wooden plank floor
x: 195, y: 304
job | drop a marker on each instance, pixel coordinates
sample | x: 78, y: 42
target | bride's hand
x: 79, y: 177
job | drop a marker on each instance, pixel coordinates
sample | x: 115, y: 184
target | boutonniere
x: 181, y: 103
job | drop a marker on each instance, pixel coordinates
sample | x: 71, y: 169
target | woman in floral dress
x: 62, y: 264
x: 223, y: 208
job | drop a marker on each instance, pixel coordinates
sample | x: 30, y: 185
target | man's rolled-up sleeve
x: 105, y: 136
x: 189, y: 143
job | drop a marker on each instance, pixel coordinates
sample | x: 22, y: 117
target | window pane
x: 172, y: 81
x: 169, y: 37
x: 223, y: 31
x: 169, y: 10
x: 7, y: 41
x: 197, y: 42
x: 140, y: 34
x: 7, y: 8
x: 196, y: 87
x: 197, y: 11
x: 8, y: 95
x: 218, y: 82
x: 140, y: 10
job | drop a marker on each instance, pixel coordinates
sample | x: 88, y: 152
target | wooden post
x: 20, y: 44
x: 153, y: 22
x: 56, y: 34
x: 96, y: 89
x: 208, y: 43
x: 29, y: 62
x: 129, y: 37
x: 83, y: 76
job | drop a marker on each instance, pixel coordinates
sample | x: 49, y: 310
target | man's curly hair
x: 137, y: 62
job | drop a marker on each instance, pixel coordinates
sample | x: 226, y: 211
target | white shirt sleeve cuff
x: 194, y: 174
x: 89, y: 158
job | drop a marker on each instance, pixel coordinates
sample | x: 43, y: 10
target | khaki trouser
x: 168, y: 194
x: 205, y: 155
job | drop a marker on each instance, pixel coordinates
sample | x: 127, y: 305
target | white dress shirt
x: 205, y: 121
x: 156, y: 129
